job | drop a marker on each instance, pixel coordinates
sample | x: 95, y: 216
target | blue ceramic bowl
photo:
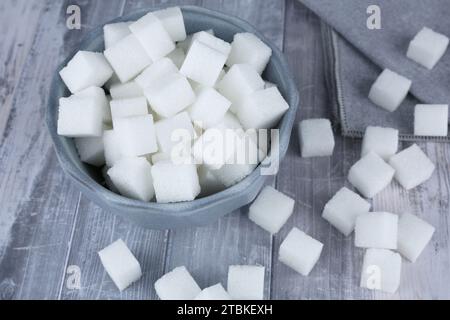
x: 198, y: 212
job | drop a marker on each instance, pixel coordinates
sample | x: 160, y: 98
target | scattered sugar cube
x: 248, y: 48
x: 271, y: 209
x: 133, y: 178
x: 382, y: 141
x: 173, y: 22
x: 246, y: 282
x: 178, y: 284
x: 413, y: 236
x: 130, y: 107
x: 86, y: 69
x: 300, y: 252
x: 376, y: 230
x: 209, y: 183
x: 370, y: 175
x: 381, y: 270
x: 212, y: 41
x: 343, y: 209
x: 209, y: 108
x: 316, y: 138
x: 155, y: 72
x: 136, y: 135
x: 115, y: 32
x: 177, y: 56
x: 427, y: 47
x: 175, y: 182
x: 91, y: 150
x: 172, y: 131
x: 216, y: 292
x: 389, y: 90
x: 126, y: 90
x: 431, y: 120
x: 120, y: 264
x: 100, y: 97
x: 113, y: 149
x: 412, y: 167
x: 170, y: 95
x: 128, y: 58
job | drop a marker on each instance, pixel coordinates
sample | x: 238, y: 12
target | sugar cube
x: 248, y: 48
x: 381, y: 270
x: 175, y: 182
x: 86, y: 69
x: 427, y: 47
x: 113, y: 149
x: 100, y: 97
x: 136, y: 135
x: 343, y: 209
x: 389, y: 90
x: 209, y: 108
x: 412, y: 167
x: 178, y: 284
x: 173, y: 22
x: 155, y: 72
x: 413, y: 236
x: 91, y: 150
x: 126, y: 90
x: 186, y: 44
x: 175, y: 130
x: 246, y: 282
x: 216, y: 292
x: 128, y: 58
x: 170, y: 95
x: 431, y: 120
x: 376, y: 230
x: 177, y: 56
x: 316, y: 138
x: 380, y: 140
x: 120, y: 264
x: 212, y: 41
x: 130, y: 107
x: 230, y: 174
x: 271, y: 209
x: 370, y: 175
x: 115, y: 32
x: 209, y: 183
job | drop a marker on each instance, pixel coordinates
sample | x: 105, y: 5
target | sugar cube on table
x: 156, y: 71
x: 126, y: 90
x: 136, y: 135
x: 316, y: 138
x: 380, y: 140
x: 209, y: 183
x: 100, y: 97
x: 128, y: 58
x: 172, y: 20
x: 412, y: 167
x: 175, y: 130
x: 130, y: 107
x: 376, y: 230
x: 120, y: 264
x: 209, y: 108
x: 178, y: 284
x: 170, y: 95
x: 175, y: 182
x: 413, y: 236
x: 177, y: 56
x: 86, y: 69
x: 212, y: 41
x: 389, y: 90
x: 370, y: 175
x: 427, y: 47
x: 343, y: 209
x: 431, y: 120
x: 216, y: 292
x: 246, y: 282
x: 239, y: 82
x: 300, y: 252
x: 271, y: 209
x: 91, y: 150
x: 80, y: 117
x: 112, y: 147
x: 115, y: 32
x: 248, y: 48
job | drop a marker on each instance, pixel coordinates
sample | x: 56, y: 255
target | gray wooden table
x: 48, y: 230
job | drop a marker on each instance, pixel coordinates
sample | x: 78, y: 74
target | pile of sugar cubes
x: 156, y: 108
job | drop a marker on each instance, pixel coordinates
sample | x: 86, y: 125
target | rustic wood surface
x: 47, y: 228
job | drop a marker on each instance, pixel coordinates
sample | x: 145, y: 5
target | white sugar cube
x: 246, y: 282
x: 300, y: 251
x: 382, y: 141
x: 413, y: 236
x: 155, y: 72
x: 343, y: 209
x: 381, y: 270
x: 133, y: 178
x: 216, y: 292
x: 427, y: 47
x: 186, y: 44
x: 370, y: 175
x: 431, y: 120
x: 175, y: 130
x: 238, y: 83
x: 100, y: 97
x: 130, y: 107
x: 175, y: 182
x: 91, y: 150
x: 212, y: 41
x: 170, y: 95
x: 113, y: 149
x: 126, y: 90
x: 136, y: 135
x: 120, y: 264
x: 231, y: 174
x: 389, y: 90
x: 178, y: 284
x: 173, y: 22
x: 248, y: 48
x: 115, y: 32
x: 271, y: 209
x: 316, y: 138
x: 209, y: 108
x: 80, y: 117
x: 86, y: 69
x: 412, y: 167
x: 177, y: 56
x: 152, y: 36
x: 209, y: 183
x: 376, y: 230
x: 128, y: 58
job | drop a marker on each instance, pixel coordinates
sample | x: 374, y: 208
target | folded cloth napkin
x: 355, y: 55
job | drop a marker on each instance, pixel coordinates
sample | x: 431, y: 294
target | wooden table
x: 49, y: 231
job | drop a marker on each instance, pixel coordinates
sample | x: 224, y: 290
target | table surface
x: 50, y: 233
